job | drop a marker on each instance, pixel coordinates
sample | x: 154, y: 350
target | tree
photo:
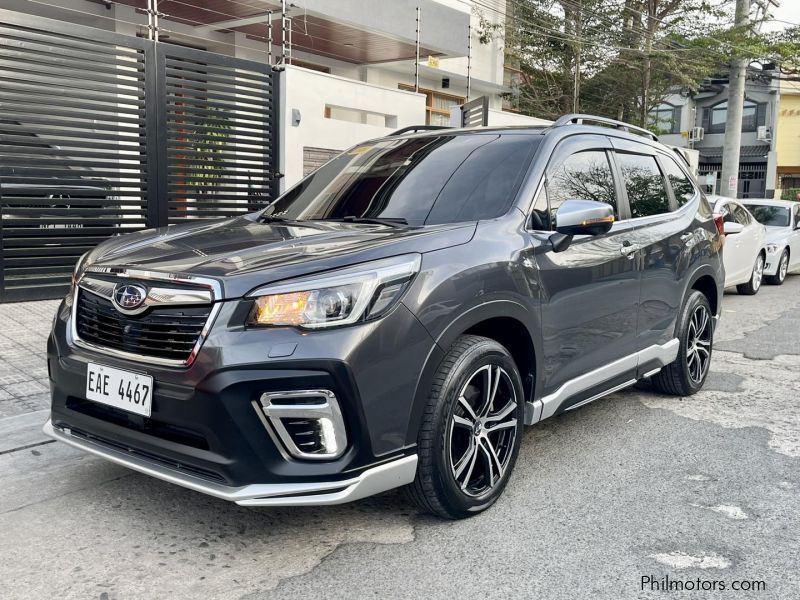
x: 621, y: 58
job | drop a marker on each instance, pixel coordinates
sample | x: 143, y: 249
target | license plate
x: 121, y: 389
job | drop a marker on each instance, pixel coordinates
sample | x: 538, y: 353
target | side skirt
x: 604, y: 380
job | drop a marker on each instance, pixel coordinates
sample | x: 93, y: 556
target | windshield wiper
x: 388, y: 221
x: 271, y: 219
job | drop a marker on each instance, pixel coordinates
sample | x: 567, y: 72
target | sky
x: 789, y: 10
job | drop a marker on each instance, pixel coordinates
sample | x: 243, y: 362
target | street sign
x: 733, y: 183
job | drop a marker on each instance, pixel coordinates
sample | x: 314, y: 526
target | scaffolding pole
x: 416, y: 57
x: 269, y: 37
x: 284, y: 37
x: 469, y: 60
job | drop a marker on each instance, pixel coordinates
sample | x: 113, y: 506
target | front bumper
x: 205, y: 431
x: 773, y: 260
x: 371, y: 481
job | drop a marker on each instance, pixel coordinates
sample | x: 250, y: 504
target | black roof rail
x: 580, y: 119
x: 415, y: 128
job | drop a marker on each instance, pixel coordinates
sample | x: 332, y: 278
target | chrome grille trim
x: 162, y: 296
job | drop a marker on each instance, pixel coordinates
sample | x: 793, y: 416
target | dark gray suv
x: 394, y: 319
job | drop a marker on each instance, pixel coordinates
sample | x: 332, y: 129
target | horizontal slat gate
x: 103, y: 134
x: 218, y: 126
x: 74, y: 165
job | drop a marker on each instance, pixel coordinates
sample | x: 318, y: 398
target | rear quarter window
x: 682, y: 185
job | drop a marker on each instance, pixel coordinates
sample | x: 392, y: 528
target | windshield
x: 419, y: 180
x: 772, y: 216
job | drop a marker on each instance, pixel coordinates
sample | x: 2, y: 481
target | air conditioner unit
x: 697, y: 134
x: 763, y: 133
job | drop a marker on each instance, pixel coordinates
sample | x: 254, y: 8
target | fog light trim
x: 320, y: 408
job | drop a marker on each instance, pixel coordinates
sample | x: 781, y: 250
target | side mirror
x: 732, y: 227
x: 584, y: 217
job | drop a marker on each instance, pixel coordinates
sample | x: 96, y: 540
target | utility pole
x: 733, y: 124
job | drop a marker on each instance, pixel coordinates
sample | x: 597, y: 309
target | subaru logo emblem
x: 128, y: 296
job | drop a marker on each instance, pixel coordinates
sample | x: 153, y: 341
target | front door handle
x: 627, y: 249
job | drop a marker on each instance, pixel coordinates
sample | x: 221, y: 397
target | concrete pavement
x: 634, y: 485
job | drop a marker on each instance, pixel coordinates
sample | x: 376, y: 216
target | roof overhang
x: 347, y: 30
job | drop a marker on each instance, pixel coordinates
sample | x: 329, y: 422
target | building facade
x: 788, y: 140
x: 120, y: 115
x: 698, y: 121
x: 350, y: 74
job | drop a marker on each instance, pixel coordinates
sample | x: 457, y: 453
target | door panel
x: 734, y: 252
x: 590, y: 305
x: 664, y: 238
x: 590, y: 292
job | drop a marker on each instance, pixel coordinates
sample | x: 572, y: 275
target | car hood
x: 242, y: 253
x: 777, y: 234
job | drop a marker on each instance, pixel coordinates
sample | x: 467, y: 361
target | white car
x: 744, y: 253
x: 782, y: 219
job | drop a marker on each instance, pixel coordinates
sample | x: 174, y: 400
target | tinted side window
x: 486, y: 182
x: 644, y: 184
x: 682, y: 186
x: 583, y: 176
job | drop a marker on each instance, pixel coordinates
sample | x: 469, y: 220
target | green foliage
x: 790, y: 193
x: 487, y: 31
x: 621, y: 58
x: 208, y: 140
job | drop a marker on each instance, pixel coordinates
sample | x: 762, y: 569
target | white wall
x: 487, y: 59
x: 501, y: 117
x: 310, y: 91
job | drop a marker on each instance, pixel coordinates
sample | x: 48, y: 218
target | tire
x: 681, y: 377
x: 448, y: 435
x: 783, y: 268
x: 754, y: 283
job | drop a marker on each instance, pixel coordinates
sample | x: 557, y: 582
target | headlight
x: 772, y: 248
x: 343, y: 297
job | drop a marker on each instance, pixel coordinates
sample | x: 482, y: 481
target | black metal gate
x: 104, y: 134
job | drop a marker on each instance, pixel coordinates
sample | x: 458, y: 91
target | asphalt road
x: 631, y: 486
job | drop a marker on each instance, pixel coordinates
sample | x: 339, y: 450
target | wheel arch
x: 704, y: 281
x: 505, y: 321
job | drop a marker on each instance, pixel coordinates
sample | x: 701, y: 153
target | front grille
x: 161, y: 332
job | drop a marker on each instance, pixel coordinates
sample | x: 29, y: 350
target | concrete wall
x: 309, y: 92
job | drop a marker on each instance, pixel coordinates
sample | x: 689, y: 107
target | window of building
x: 644, y: 185
x: 753, y: 115
x: 682, y: 186
x: 437, y: 105
x: 665, y: 118
x: 582, y: 176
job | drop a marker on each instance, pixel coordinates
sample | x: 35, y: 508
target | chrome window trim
x: 74, y: 339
